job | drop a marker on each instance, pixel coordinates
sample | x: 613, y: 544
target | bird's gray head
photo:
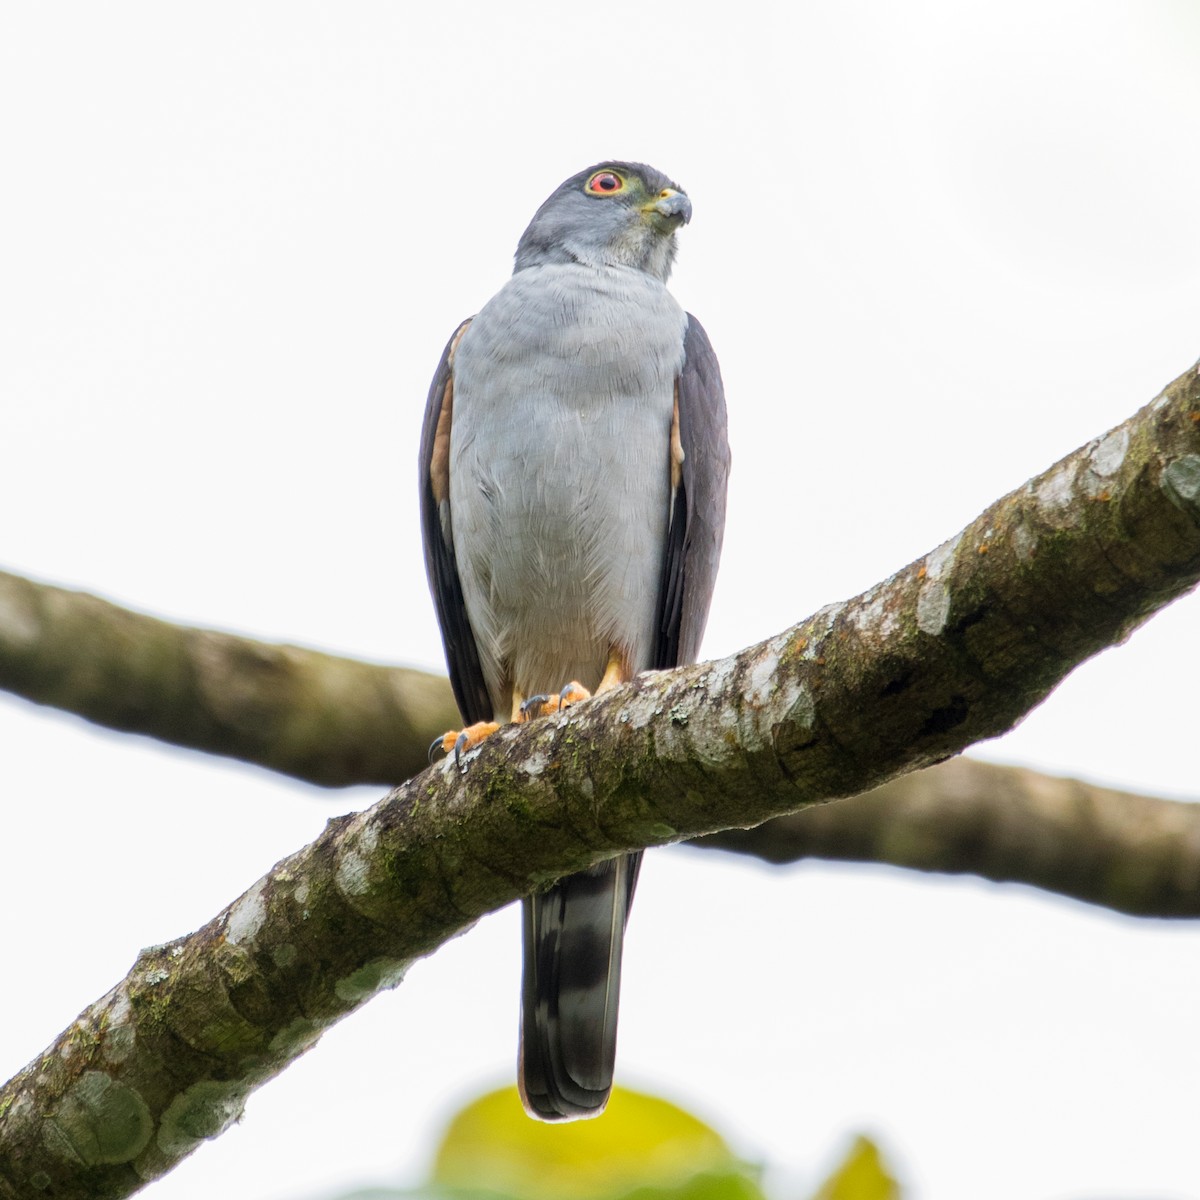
x: 615, y: 214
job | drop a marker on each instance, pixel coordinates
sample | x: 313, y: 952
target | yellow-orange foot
x: 462, y: 740
x: 540, y: 706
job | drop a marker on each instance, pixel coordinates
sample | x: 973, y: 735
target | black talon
x: 533, y: 706
x: 459, y: 745
x: 435, y: 746
x: 563, y: 702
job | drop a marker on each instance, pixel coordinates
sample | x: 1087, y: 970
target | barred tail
x: 570, y: 990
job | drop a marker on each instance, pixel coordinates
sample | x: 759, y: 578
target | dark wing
x: 437, y: 531
x: 698, y: 505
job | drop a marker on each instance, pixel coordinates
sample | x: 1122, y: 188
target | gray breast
x: 560, y: 472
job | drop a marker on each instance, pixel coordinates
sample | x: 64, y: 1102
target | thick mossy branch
x: 953, y: 648
x: 328, y: 720
x: 1135, y: 854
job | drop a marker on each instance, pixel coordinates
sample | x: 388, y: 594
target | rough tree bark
x: 955, y: 647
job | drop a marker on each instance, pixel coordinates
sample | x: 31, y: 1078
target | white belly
x: 560, y: 473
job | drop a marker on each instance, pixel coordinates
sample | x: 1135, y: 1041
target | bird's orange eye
x: 604, y: 182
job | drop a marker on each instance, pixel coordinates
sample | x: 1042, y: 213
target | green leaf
x: 862, y: 1176
x: 642, y: 1147
x: 718, y: 1185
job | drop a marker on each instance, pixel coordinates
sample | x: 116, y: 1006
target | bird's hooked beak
x: 668, y: 210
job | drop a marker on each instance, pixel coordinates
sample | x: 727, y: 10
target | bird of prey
x: 573, y: 468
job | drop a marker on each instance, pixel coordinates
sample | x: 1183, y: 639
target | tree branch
x: 327, y: 720
x: 1136, y: 854
x: 953, y: 648
x: 313, y: 716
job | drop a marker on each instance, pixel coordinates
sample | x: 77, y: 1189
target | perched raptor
x: 572, y: 473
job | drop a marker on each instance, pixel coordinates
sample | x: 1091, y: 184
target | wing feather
x: 697, y: 526
x: 437, y: 531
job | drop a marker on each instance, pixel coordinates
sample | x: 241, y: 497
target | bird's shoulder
x: 551, y: 299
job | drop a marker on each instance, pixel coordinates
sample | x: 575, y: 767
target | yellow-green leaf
x: 641, y: 1142
x: 862, y: 1176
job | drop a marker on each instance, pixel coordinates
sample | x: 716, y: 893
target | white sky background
x: 937, y: 246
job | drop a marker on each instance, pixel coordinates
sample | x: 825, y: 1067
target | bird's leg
x: 615, y: 672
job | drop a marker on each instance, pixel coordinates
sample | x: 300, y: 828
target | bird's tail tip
x: 548, y: 1102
